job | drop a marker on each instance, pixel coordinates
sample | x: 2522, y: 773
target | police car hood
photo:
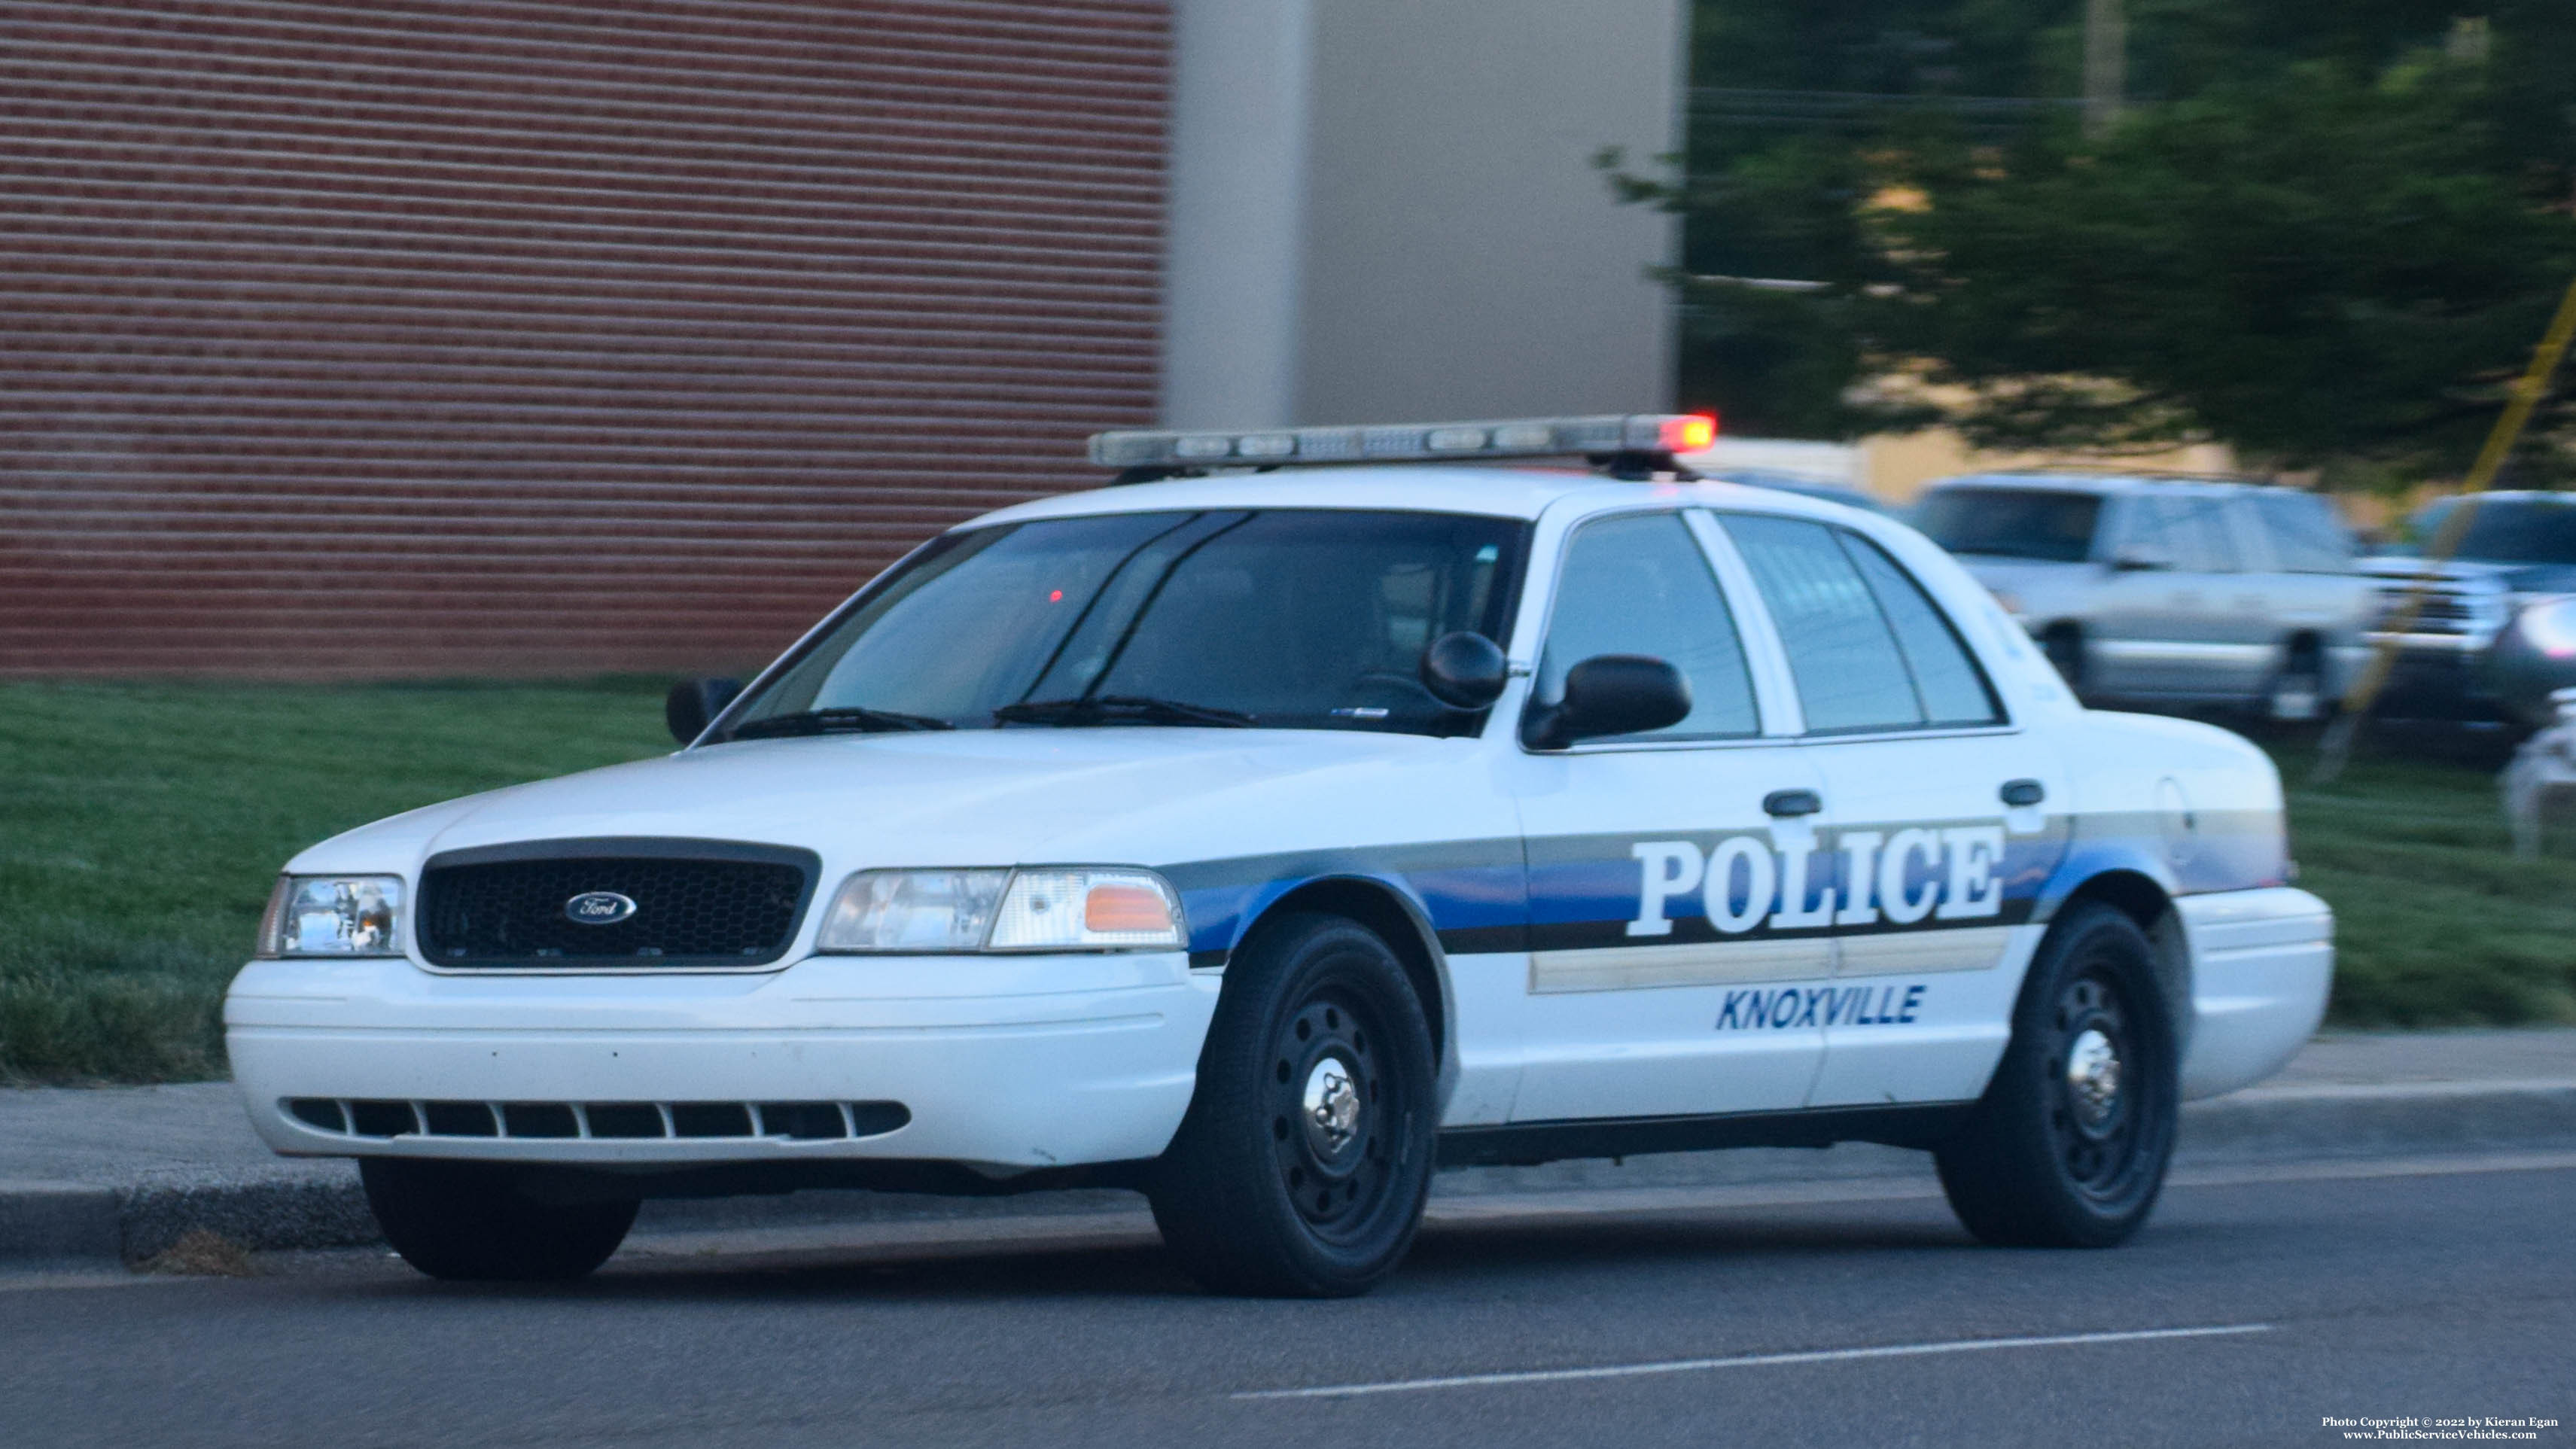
x: 1142, y: 795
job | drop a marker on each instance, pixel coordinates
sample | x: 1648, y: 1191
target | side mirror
x: 1610, y: 694
x: 1464, y: 670
x: 693, y: 702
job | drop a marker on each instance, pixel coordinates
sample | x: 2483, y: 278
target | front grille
x: 2448, y: 606
x: 695, y: 904
x: 596, y: 1121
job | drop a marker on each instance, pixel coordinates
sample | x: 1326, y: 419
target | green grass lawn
x: 2436, y: 924
x: 141, y: 825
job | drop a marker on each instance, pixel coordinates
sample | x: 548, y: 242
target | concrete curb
x: 300, y: 1213
x: 2408, y: 1117
x: 57, y: 1221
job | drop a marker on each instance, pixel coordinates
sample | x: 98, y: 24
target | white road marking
x: 1755, y: 1360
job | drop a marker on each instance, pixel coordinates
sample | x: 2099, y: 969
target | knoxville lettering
x: 1795, y: 1007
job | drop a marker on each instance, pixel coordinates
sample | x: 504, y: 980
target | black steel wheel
x: 2069, y: 1145
x: 2063, y: 645
x: 1326, y: 1126
x: 1302, y: 1165
x: 2092, y: 1123
x: 470, y: 1222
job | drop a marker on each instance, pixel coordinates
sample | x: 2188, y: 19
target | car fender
x: 1222, y: 917
x: 2088, y: 860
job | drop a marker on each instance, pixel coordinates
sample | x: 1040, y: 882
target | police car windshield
x: 1295, y: 618
x: 2011, y: 522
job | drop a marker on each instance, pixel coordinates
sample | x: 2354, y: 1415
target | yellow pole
x: 2336, y: 749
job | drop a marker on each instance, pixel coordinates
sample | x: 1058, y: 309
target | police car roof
x: 1498, y: 492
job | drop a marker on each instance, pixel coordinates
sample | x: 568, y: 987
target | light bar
x: 1411, y: 442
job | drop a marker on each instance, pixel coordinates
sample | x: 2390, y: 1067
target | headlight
x: 1087, y: 910
x: 333, y: 915
x: 2549, y: 625
x: 913, y: 910
x: 1076, y: 908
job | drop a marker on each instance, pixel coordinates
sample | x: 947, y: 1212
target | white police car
x: 1263, y: 836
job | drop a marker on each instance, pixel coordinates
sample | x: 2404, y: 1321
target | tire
x: 2063, y: 644
x: 2297, y: 693
x: 1301, y: 1167
x: 2068, y: 1148
x: 468, y: 1222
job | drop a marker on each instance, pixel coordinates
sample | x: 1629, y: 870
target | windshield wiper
x: 1119, y: 709
x: 848, y: 719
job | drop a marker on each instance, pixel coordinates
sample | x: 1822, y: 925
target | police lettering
x: 1952, y: 873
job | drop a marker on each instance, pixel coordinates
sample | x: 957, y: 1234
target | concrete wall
x: 1385, y: 209
x: 1234, y: 208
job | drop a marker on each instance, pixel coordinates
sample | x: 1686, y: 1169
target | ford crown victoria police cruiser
x: 1265, y: 836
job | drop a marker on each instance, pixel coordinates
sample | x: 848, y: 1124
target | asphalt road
x: 1860, y: 1316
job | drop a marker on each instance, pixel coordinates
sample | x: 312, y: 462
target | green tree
x: 2316, y: 266
x: 2326, y: 231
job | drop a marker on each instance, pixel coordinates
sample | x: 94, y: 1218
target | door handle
x: 1792, y: 802
x: 2023, y: 792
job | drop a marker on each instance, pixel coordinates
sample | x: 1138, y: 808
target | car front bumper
x: 1007, y: 1063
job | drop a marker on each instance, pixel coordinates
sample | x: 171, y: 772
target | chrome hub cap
x: 1327, y: 1129
x: 2094, y: 1071
x: 2093, y: 1076
x: 1330, y: 1110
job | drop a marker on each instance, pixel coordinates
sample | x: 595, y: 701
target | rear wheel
x: 468, y: 1221
x: 1301, y: 1168
x: 2069, y: 1145
x: 2298, y: 690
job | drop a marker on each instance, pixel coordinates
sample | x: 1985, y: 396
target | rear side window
x: 1868, y: 648
x: 2180, y: 531
x: 2011, y: 522
x: 1947, y: 681
x: 2306, y: 536
x: 1640, y: 585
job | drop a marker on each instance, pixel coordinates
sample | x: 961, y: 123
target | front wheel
x: 1302, y: 1165
x: 469, y: 1222
x: 2069, y: 1145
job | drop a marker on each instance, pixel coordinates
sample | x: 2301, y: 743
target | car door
x: 2312, y: 590
x: 1658, y: 966
x: 2238, y: 603
x: 1936, y: 807
x: 2162, y: 625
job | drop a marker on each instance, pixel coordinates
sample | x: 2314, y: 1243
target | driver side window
x: 1638, y: 584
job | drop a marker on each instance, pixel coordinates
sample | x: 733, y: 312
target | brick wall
x: 439, y: 337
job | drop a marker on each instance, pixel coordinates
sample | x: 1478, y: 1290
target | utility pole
x: 2106, y: 64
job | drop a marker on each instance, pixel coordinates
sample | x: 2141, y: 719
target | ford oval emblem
x: 599, y: 908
